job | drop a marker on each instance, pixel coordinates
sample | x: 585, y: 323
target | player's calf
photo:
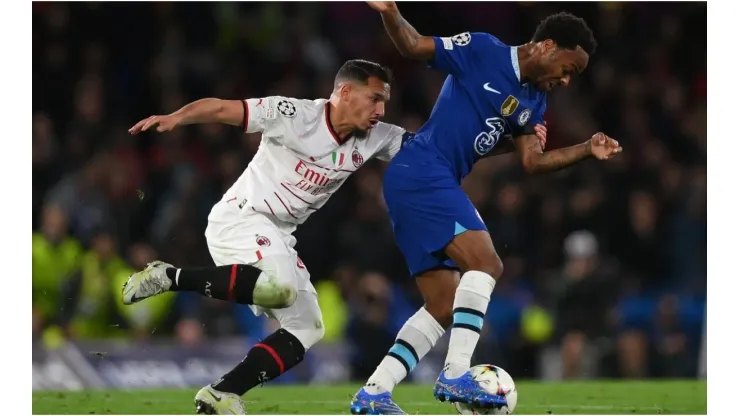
x: 474, y: 252
x: 302, y: 327
x: 438, y: 287
x: 239, y: 283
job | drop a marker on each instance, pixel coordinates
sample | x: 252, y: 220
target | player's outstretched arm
x: 407, y: 40
x: 534, y: 160
x: 206, y: 110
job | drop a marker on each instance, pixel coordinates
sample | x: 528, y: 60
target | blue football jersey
x: 482, y: 102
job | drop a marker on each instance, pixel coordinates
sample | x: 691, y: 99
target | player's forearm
x: 407, y: 40
x: 211, y: 110
x: 556, y: 159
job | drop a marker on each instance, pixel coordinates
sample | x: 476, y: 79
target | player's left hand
x: 162, y: 123
x: 540, y: 131
x: 603, y: 147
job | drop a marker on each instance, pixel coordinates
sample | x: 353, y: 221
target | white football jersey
x: 300, y: 162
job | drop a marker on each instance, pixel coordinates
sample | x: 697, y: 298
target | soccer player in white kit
x: 308, y: 149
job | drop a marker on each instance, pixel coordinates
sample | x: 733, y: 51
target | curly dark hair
x: 360, y: 70
x: 567, y: 31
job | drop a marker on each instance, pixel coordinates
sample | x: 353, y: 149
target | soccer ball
x: 494, y: 380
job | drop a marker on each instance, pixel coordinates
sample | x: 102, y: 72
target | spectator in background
x: 370, y: 331
x: 672, y: 356
x: 88, y: 309
x: 584, y: 293
x: 55, y: 258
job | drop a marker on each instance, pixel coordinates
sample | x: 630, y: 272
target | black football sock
x: 275, y: 355
x: 234, y: 283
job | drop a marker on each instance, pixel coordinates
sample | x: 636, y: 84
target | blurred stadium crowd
x: 604, y: 260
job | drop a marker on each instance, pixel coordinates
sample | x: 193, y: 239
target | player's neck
x: 339, y: 123
x: 525, y: 53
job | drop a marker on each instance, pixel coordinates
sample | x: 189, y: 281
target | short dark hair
x: 567, y: 31
x: 360, y: 70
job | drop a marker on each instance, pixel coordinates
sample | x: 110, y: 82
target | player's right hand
x: 603, y: 147
x: 540, y: 130
x: 382, y: 6
x: 162, y: 123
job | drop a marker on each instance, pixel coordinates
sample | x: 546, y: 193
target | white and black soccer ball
x: 494, y: 380
x: 286, y: 108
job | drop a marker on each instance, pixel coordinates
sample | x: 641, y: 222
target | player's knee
x: 473, y: 250
x: 308, y: 333
x: 494, y: 267
x: 270, y: 292
x: 488, y: 263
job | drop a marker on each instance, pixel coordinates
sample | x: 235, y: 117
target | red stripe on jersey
x: 292, y: 193
x: 268, y: 206
x: 325, y: 168
x: 246, y: 115
x: 286, y: 207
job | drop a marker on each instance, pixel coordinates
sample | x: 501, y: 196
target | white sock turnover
x: 414, y: 340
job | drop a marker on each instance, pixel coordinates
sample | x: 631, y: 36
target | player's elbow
x: 231, y: 112
x: 421, y: 49
x: 530, y: 165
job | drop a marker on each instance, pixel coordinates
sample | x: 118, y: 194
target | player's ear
x: 344, y: 91
x: 547, y: 46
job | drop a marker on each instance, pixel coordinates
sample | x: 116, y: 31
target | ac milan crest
x: 357, y: 158
x: 263, y: 241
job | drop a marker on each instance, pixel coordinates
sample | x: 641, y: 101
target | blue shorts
x: 428, y: 208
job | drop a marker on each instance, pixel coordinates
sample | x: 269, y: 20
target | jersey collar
x: 515, y: 63
x: 330, y: 128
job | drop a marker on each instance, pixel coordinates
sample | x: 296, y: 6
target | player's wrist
x: 178, y: 118
x: 588, y: 148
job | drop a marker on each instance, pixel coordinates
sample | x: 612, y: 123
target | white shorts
x: 236, y: 237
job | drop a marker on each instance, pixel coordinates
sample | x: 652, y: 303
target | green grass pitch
x: 592, y: 397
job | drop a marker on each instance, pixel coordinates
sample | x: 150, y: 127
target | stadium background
x: 605, y: 262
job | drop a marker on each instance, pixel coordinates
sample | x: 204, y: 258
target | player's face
x: 367, y: 102
x: 559, y: 66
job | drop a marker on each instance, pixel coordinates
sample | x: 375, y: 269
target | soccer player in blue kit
x: 490, y: 102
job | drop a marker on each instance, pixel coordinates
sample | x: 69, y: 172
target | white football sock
x: 414, y: 340
x: 471, y: 302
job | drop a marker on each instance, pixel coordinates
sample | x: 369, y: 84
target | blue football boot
x: 364, y: 403
x: 465, y: 389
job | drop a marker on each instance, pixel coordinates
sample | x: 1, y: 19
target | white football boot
x: 147, y: 283
x: 209, y: 401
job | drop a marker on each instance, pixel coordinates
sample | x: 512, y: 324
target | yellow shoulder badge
x: 509, y: 106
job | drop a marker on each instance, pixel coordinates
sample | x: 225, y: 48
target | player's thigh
x: 248, y: 240
x: 474, y: 250
x: 426, y: 221
x: 303, y: 319
x: 438, y: 287
x: 258, y: 243
x: 262, y: 245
